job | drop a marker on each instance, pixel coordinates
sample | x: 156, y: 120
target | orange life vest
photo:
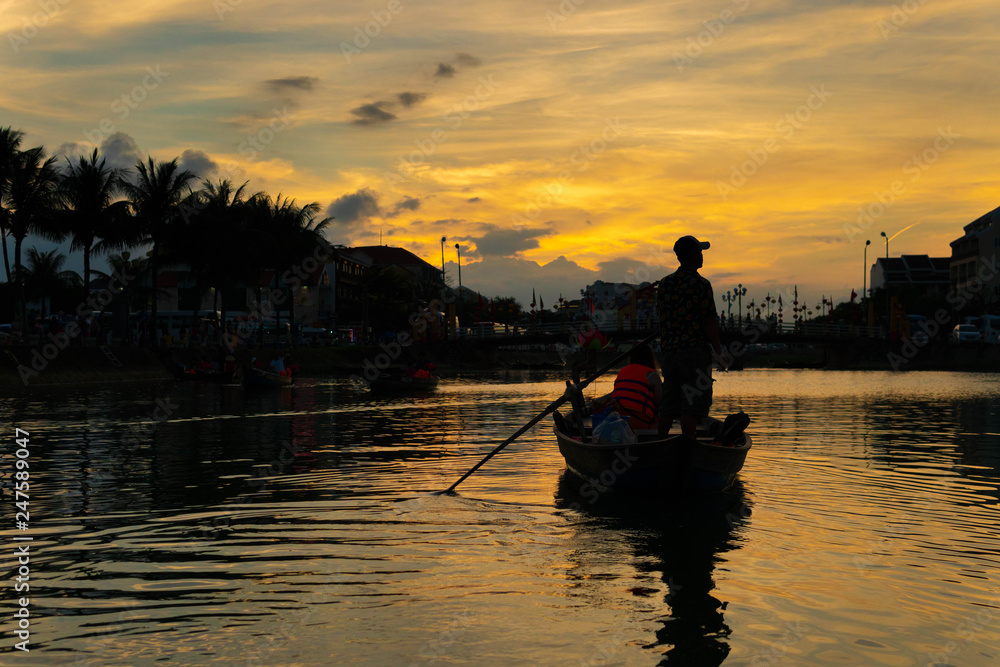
x: 634, y: 395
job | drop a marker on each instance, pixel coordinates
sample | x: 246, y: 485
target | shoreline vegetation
x: 91, y: 364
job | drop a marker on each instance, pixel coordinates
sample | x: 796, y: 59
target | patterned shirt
x: 683, y: 301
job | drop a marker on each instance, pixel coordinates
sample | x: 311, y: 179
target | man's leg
x: 663, y: 424
x: 667, y: 398
x: 689, y: 426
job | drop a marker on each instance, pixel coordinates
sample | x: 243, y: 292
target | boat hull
x: 258, y: 379
x: 188, y: 375
x: 672, y: 464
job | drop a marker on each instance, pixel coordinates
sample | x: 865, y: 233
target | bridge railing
x: 811, y: 329
x: 819, y: 329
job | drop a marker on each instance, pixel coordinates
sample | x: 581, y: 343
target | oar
x: 547, y: 411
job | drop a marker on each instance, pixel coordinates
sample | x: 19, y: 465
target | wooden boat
x: 194, y: 375
x: 255, y: 378
x: 403, y: 383
x: 671, y: 464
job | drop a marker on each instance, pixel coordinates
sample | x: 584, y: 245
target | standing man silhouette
x: 689, y: 333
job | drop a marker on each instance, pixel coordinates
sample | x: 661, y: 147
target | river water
x: 198, y: 525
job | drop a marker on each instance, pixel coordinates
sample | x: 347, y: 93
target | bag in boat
x: 732, y: 429
x: 614, y: 430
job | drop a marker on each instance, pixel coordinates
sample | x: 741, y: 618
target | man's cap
x: 686, y: 245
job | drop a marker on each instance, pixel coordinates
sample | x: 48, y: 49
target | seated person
x: 277, y: 364
x: 638, y: 390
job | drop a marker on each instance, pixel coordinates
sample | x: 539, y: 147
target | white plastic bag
x: 614, y: 430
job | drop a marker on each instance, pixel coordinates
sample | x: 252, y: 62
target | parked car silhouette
x: 965, y: 333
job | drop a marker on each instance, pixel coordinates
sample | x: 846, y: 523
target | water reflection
x: 677, y: 540
x: 209, y: 538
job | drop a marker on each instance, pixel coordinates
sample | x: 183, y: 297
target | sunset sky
x: 558, y: 143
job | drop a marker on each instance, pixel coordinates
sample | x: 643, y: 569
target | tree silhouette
x: 30, y: 199
x: 87, y: 190
x: 155, y: 199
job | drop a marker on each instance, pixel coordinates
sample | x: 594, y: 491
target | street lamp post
x: 864, y: 282
x: 728, y: 298
x: 885, y: 279
x: 458, y: 249
x: 443, y: 239
x: 740, y: 291
x: 444, y: 284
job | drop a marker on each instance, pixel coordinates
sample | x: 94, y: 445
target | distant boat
x: 185, y: 374
x: 256, y: 378
x: 671, y: 464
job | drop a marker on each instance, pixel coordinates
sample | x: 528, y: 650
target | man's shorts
x: 687, y: 382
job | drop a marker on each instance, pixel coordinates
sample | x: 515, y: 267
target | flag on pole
x: 779, y: 300
x: 854, y: 295
x: 541, y: 304
x: 532, y: 297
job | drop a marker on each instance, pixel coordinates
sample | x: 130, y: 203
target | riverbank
x: 27, y: 366
x: 22, y: 366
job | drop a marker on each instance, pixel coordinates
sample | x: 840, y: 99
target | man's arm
x: 712, y: 330
x: 710, y: 322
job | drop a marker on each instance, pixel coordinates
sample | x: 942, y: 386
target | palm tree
x: 211, y: 237
x: 10, y: 147
x: 44, y: 277
x: 155, y: 198
x: 30, y: 202
x: 87, y: 190
x: 297, y: 233
x: 257, y: 249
